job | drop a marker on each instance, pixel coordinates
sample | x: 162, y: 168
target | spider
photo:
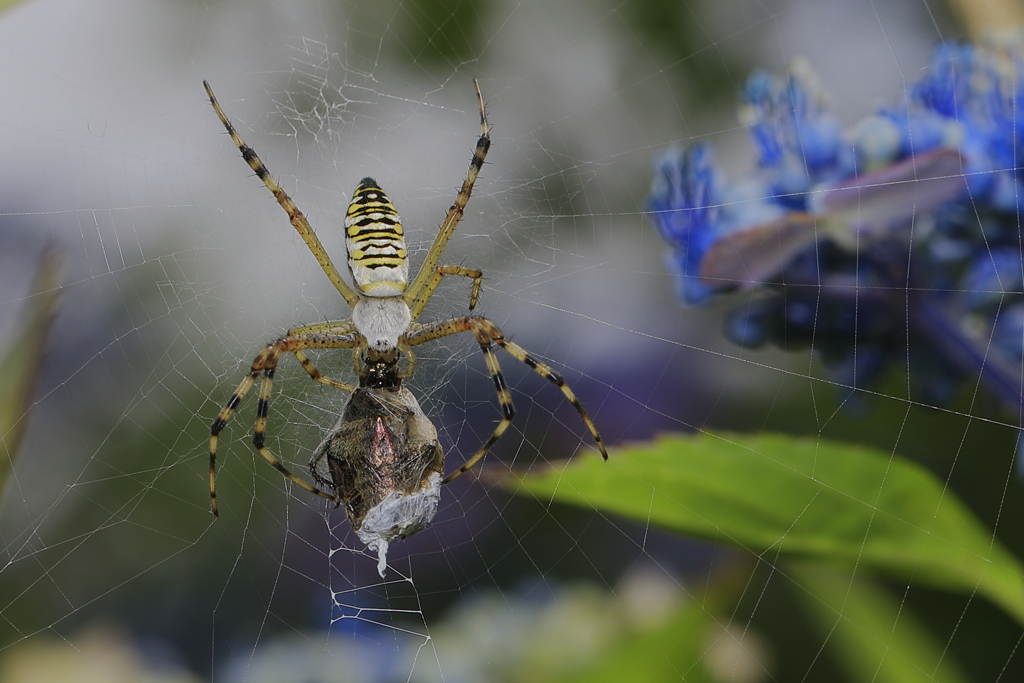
x: 385, y: 307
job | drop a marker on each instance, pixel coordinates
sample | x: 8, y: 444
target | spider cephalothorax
x: 383, y: 448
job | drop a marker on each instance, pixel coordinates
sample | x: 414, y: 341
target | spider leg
x: 454, y: 215
x: 260, y: 433
x: 316, y: 375
x: 220, y: 422
x: 294, y: 215
x: 487, y: 334
x: 266, y: 364
x: 307, y: 365
x: 428, y: 289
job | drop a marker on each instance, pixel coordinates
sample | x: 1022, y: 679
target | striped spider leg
x: 318, y: 336
x: 487, y: 334
x: 298, y: 220
x: 429, y: 276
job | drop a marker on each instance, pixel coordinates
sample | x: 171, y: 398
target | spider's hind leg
x: 487, y: 334
x: 259, y: 433
x: 221, y: 421
x: 548, y: 373
x: 330, y: 335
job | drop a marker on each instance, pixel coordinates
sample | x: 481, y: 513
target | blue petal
x: 684, y: 203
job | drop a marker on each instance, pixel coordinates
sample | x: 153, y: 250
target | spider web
x: 176, y: 267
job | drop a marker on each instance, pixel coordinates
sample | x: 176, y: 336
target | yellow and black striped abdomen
x: 376, y: 242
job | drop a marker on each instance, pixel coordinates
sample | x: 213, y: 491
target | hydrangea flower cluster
x: 897, y: 241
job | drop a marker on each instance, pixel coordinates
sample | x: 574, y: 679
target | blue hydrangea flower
x: 894, y: 242
x: 685, y: 201
x: 798, y: 141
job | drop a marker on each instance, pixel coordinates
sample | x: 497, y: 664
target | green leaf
x: 875, y: 636
x: 814, y: 498
x: 22, y: 359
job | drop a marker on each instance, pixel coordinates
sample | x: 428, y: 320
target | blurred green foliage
x: 5, y: 4
x: 22, y: 360
x: 870, y: 630
x: 439, y: 33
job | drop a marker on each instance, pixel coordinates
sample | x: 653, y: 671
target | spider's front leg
x: 320, y: 336
x: 297, y: 219
x: 487, y: 334
x: 414, y: 294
